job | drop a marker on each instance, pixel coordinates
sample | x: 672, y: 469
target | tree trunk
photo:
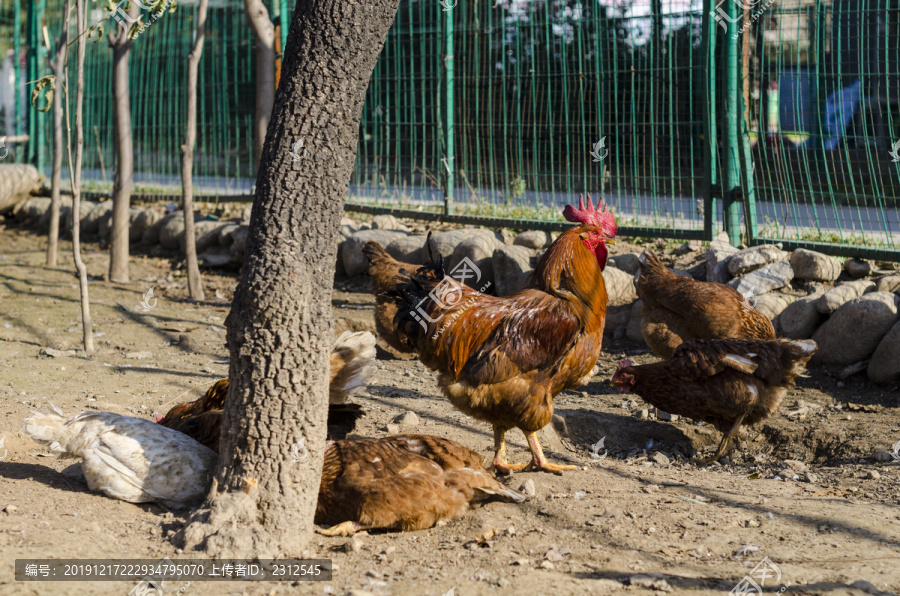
x: 75, y: 175
x: 195, y: 283
x: 123, y: 180
x: 264, y: 32
x: 58, y: 66
x: 280, y: 328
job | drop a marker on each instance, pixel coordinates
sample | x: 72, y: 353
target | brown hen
x: 726, y: 382
x: 351, y: 358
x: 385, y: 274
x: 503, y: 359
x: 677, y: 309
x: 406, y: 482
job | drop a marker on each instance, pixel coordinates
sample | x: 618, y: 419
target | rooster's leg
x: 725, y: 445
x: 500, y: 464
x: 539, y: 460
x: 347, y: 528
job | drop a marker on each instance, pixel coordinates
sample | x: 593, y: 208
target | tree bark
x: 264, y: 32
x: 75, y: 175
x: 195, y: 283
x: 58, y: 66
x: 280, y: 330
x: 123, y: 180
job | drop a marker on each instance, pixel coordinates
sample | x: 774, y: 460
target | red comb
x: 587, y: 215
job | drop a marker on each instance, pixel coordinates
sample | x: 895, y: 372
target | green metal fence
x: 508, y: 108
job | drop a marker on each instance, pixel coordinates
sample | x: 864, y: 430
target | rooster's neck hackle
x: 569, y: 270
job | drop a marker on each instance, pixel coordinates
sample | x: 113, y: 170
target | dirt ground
x: 640, y: 517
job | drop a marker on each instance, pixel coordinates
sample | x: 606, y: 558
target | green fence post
x: 747, y: 165
x: 450, y: 149
x: 708, y: 84
x: 17, y: 69
x: 732, y: 173
x: 284, y: 21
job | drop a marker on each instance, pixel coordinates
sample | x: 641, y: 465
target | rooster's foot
x: 347, y: 528
x: 545, y: 466
x: 504, y: 467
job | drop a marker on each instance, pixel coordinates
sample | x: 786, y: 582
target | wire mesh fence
x: 508, y: 108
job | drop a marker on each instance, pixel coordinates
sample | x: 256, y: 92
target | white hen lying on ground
x: 129, y: 458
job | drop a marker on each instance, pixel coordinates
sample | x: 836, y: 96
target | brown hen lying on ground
x: 726, y: 382
x: 406, y: 482
x: 676, y: 309
x: 503, y: 359
x: 351, y: 358
x: 385, y: 274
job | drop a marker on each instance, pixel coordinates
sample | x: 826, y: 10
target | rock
x: 90, y: 224
x: 795, y: 465
x: 857, y: 268
x: 855, y: 329
x: 479, y: 250
x: 354, y: 544
x: 617, y: 320
x: 660, y: 459
x: 239, y: 244
x: 138, y: 355
x: 883, y: 455
x: 717, y: 256
x: 628, y: 262
x: 619, y: 286
x: 801, y: 318
x: 753, y: 258
x: 246, y: 212
x: 32, y: 210
x: 689, y: 246
x: 810, y: 477
x: 873, y: 475
x: 445, y: 242
x: 226, y: 234
x: 408, y: 249
x: 172, y: 232
x: 10, y: 509
x: 633, y: 331
x: 808, y: 264
x: 355, y: 263
x: 65, y: 223
x: 535, y: 239
x: 654, y: 581
x: 17, y: 183
x: 151, y: 234
x: 104, y: 227
x: 891, y: 283
x: 187, y: 344
x: 853, y: 369
x: 206, y: 234
x: 842, y: 293
x: 143, y: 219
x: 57, y: 353
x: 512, y: 266
x: 387, y: 222
x: 408, y: 419
x: 772, y: 304
x: 392, y: 429
x: 528, y: 489
x: 884, y: 368
x: 215, y: 256
x: 771, y: 277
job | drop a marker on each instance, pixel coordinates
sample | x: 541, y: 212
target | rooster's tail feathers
x: 376, y: 254
x: 650, y: 264
x: 48, y: 429
x: 351, y: 364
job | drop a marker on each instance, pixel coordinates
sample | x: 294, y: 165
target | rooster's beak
x: 609, y: 241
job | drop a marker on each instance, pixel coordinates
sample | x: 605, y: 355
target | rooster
x: 128, y: 458
x: 351, y: 361
x: 503, y: 359
x: 727, y: 382
x: 385, y: 274
x: 405, y: 482
x: 676, y: 309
